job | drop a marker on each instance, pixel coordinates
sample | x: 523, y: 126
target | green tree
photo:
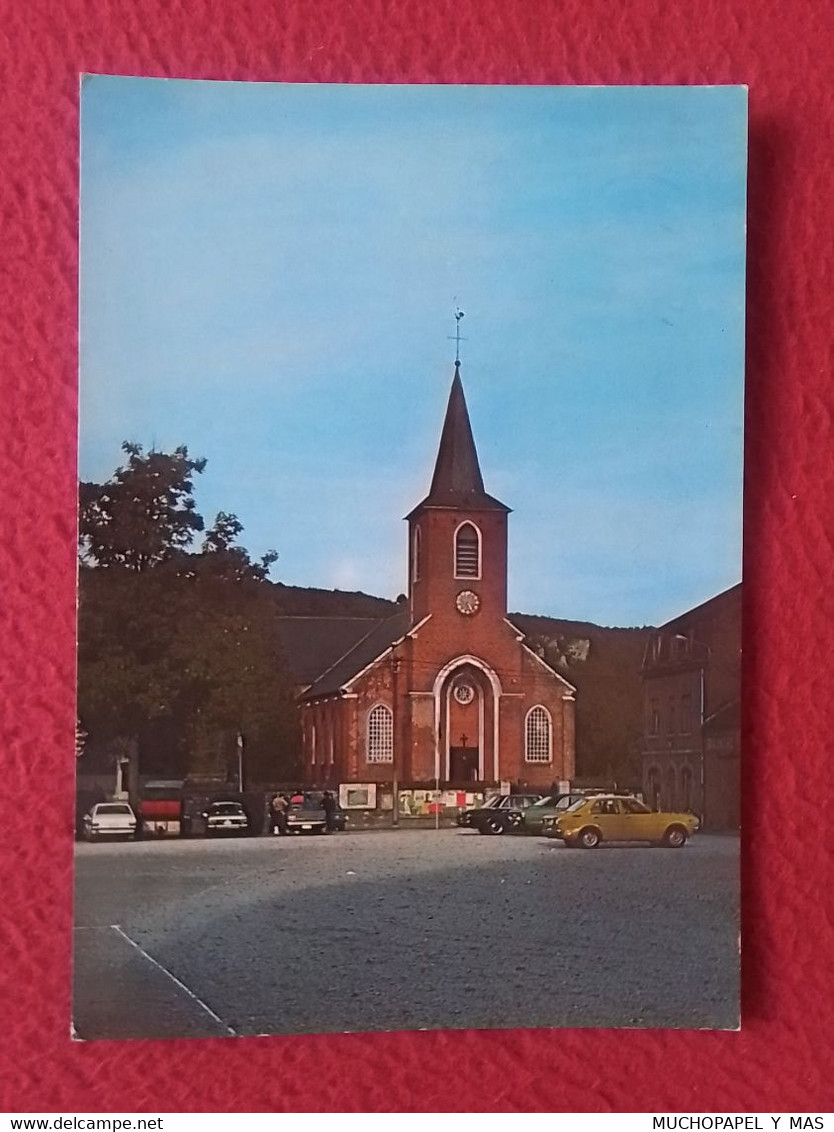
x: 175, y: 644
x: 221, y: 557
x: 144, y: 514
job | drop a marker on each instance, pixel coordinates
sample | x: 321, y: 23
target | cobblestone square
x: 402, y: 931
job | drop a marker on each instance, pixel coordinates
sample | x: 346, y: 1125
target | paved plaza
x: 413, y: 929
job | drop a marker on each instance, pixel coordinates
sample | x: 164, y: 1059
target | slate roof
x: 371, y: 645
x: 726, y: 718
x: 457, y: 481
x: 726, y: 597
x: 311, y: 645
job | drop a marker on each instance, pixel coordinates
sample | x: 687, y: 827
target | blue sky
x: 269, y: 275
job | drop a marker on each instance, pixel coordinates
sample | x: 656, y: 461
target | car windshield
x: 575, y: 805
x: 114, y: 809
x: 226, y: 808
x: 492, y: 802
x: 548, y: 801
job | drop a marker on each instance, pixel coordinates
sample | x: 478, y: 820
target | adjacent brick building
x: 691, y: 712
x: 446, y: 691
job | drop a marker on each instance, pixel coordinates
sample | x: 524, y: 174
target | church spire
x: 457, y: 481
x: 457, y: 468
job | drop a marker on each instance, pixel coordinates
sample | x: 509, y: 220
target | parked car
x: 307, y: 816
x: 110, y: 819
x: 465, y: 815
x: 226, y: 817
x: 609, y: 817
x: 340, y: 818
x: 504, y: 815
x: 534, y: 817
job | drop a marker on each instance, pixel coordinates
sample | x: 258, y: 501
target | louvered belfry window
x: 467, y: 552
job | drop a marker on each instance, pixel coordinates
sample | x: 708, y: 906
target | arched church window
x: 417, y: 556
x: 538, y: 735
x: 380, y: 734
x: 467, y: 551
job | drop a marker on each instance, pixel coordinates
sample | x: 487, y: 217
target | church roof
x: 312, y: 645
x: 369, y: 647
x: 457, y: 481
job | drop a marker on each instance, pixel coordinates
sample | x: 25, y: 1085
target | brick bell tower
x: 458, y: 533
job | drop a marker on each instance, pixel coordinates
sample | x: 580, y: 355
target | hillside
x: 307, y: 601
x: 604, y: 666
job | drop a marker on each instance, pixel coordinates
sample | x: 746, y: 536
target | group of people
x: 281, y: 803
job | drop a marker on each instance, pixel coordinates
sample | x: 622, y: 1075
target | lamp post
x: 395, y: 669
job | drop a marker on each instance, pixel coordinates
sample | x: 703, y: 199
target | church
x: 445, y: 693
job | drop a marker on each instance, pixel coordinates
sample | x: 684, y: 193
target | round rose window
x: 464, y: 693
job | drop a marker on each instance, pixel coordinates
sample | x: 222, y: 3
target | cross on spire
x: 457, y: 338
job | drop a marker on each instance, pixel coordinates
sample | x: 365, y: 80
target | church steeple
x: 457, y: 481
x: 457, y: 468
x: 458, y: 533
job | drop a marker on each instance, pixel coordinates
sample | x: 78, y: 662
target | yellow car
x: 611, y: 818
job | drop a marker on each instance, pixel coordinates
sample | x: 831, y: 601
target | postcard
x: 409, y: 557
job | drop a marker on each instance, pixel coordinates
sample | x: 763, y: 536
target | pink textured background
x: 783, y: 49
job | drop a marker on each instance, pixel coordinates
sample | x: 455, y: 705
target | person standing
x: 279, y: 814
x: 328, y: 804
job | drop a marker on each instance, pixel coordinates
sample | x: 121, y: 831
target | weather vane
x: 457, y: 338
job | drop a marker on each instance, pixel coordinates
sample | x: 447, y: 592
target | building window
x: 686, y: 787
x: 538, y: 734
x: 654, y: 718
x: 672, y: 723
x: 467, y: 551
x: 670, y: 799
x: 686, y: 714
x: 654, y: 788
x: 313, y: 744
x: 380, y: 735
x: 417, y: 556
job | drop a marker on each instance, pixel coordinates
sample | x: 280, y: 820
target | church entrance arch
x: 466, y: 698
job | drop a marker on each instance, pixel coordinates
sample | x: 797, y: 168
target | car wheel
x: 674, y: 837
x: 495, y: 827
x: 588, y: 838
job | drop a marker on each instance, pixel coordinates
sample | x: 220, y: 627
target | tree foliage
x: 176, y: 654
x: 144, y: 514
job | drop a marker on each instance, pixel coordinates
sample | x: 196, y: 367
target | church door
x: 463, y: 764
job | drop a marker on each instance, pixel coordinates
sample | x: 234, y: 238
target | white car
x: 109, y: 819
